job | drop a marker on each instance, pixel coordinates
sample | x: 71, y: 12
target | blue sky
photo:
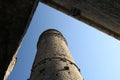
x: 95, y: 53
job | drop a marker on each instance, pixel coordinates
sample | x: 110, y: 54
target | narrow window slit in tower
x: 66, y: 67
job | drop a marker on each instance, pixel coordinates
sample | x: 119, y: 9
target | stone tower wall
x: 53, y: 60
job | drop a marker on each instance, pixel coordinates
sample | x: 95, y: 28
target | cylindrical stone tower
x: 53, y: 60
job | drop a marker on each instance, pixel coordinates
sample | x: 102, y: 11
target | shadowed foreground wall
x: 15, y: 16
x: 53, y: 60
x: 101, y: 14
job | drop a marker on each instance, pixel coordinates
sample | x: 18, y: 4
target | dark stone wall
x: 15, y: 16
x: 101, y: 14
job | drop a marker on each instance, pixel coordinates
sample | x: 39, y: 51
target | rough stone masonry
x: 53, y: 60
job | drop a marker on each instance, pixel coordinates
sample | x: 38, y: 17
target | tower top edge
x: 51, y: 32
x: 48, y: 30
